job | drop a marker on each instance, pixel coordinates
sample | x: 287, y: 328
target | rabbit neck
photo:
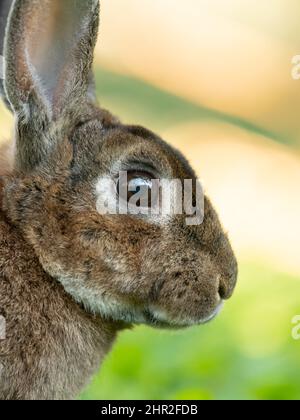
x: 52, y: 346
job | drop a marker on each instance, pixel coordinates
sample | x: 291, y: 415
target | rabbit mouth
x: 214, y: 314
x: 159, y: 319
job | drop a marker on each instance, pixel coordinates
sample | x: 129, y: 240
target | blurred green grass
x: 247, y: 353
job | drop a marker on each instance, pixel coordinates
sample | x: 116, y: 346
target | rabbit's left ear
x: 48, y: 50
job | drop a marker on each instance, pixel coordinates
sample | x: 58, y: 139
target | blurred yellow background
x: 214, y: 78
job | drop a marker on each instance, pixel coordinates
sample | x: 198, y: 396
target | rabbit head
x: 138, y: 268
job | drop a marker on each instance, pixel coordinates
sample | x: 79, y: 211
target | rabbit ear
x: 5, y: 6
x: 48, y: 54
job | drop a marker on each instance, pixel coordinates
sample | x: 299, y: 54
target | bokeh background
x: 213, y: 78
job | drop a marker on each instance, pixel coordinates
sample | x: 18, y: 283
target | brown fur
x: 70, y: 278
x: 52, y: 345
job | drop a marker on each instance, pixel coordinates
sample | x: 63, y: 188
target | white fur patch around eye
x: 106, y: 196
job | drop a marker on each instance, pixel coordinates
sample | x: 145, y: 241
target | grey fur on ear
x: 5, y: 6
x: 48, y: 50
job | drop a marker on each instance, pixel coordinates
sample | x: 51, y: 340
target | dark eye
x: 138, y: 188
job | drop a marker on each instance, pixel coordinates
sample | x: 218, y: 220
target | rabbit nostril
x: 222, y: 291
x: 225, y: 291
x: 226, y: 287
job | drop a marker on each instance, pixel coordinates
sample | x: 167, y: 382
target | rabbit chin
x: 160, y: 319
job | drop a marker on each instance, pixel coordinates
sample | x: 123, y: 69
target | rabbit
x: 71, y: 278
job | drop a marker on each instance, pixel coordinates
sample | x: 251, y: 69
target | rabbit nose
x: 227, y: 286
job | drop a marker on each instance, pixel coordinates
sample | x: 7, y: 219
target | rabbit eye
x: 138, y: 188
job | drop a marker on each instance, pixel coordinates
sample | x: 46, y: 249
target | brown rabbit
x: 70, y: 277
